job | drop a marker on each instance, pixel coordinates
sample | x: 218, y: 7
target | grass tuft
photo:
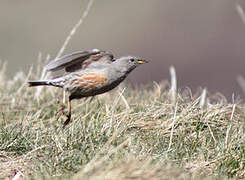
x: 127, y: 133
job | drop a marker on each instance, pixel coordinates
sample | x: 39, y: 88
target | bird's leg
x: 69, y: 114
x: 64, y: 97
x: 62, y: 106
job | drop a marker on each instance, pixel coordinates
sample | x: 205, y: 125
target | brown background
x: 204, y: 40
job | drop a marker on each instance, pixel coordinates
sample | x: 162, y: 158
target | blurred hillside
x: 204, y: 40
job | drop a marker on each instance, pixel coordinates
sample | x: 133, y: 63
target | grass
x: 129, y: 133
x: 149, y: 132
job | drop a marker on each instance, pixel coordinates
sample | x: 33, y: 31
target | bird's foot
x: 67, y: 120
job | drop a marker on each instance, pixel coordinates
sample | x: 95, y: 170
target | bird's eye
x: 131, y: 60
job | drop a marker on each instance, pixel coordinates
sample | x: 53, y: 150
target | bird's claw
x: 67, y: 120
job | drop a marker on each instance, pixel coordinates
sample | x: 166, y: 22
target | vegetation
x: 147, y: 132
x: 129, y: 133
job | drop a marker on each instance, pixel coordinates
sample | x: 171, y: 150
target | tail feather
x: 38, y: 83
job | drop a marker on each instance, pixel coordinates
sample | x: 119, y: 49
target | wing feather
x: 77, y: 60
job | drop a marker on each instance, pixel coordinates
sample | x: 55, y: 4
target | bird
x: 87, y: 74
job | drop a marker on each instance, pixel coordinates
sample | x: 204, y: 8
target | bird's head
x: 128, y: 63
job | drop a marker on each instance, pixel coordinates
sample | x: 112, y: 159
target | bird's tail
x: 39, y: 83
x: 58, y: 82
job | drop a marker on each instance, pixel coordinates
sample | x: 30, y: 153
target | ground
x: 129, y: 133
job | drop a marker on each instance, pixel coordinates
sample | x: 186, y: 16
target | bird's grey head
x: 128, y: 63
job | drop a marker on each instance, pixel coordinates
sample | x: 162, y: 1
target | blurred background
x: 204, y: 40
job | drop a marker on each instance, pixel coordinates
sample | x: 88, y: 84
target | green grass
x: 125, y: 134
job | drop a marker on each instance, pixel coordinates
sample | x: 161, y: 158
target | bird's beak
x: 142, y: 61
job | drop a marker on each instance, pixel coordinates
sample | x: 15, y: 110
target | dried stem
x: 74, y: 29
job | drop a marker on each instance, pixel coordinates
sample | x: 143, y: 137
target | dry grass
x: 125, y: 134
x: 151, y: 132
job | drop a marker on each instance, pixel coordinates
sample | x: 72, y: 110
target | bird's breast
x: 89, y: 81
x: 91, y: 84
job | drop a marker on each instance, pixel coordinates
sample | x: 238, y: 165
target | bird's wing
x: 79, y: 60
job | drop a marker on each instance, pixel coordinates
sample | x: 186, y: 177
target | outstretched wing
x: 79, y: 60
